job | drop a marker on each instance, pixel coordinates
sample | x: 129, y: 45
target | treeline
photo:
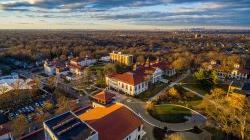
x: 180, y: 48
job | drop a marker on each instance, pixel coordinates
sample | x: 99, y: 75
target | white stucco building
x: 130, y: 83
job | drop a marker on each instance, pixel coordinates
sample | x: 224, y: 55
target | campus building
x: 138, y: 81
x: 103, y: 99
x: 131, y: 83
x: 114, y: 122
x: 238, y: 72
x: 68, y: 126
x: 125, y: 59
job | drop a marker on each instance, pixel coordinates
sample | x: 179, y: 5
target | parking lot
x: 27, y: 109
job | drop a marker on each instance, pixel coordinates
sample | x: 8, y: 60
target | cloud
x: 136, y: 11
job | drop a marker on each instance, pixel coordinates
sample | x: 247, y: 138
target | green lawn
x: 189, y: 79
x: 152, y: 91
x: 97, y: 67
x: 170, y: 114
x: 198, y: 88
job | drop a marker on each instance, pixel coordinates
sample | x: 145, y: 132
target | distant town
x: 124, y: 85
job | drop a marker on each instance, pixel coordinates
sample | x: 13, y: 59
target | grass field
x: 170, y: 114
x: 152, y: 91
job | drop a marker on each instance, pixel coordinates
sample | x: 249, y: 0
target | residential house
x: 156, y: 70
x: 54, y: 67
x: 105, y: 59
x: 83, y: 62
x: 5, y: 133
x: 11, y: 82
x: 237, y: 72
x: 76, y: 69
x: 77, y: 65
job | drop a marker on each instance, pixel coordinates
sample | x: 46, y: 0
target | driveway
x: 139, y: 108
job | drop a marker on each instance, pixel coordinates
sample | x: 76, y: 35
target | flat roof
x: 67, y: 126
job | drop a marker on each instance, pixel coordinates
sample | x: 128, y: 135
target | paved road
x: 139, y: 107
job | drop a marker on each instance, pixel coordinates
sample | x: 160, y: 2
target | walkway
x: 169, y: 86
x: 190, y: 90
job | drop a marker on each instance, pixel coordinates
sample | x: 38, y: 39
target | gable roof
x: 104, y: 96
x: 132, y: 78
x: 114, y: 122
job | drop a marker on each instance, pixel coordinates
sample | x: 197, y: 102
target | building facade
x: 124, y: 59
x: 237, y: 72
x: 130, y: 83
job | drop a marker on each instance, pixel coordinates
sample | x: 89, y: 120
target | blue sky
x: 124, y: 14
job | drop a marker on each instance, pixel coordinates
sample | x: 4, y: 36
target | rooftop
x: 4, y: 130
x: 67, y: 126
x: 104, y: 96
x: 131, y: 78
x: 113, y: 122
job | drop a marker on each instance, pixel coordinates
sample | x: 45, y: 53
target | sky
x: 124, y: 14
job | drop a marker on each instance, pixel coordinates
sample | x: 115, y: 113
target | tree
x: 62, y: 104
x: 48, y: 105
x: 87, y: 74
x: 181, y: 63
x: 230, y: 112
x: 173, y: 93
x: 100, y: 78
x: 140, y: 59
x: 200, y: 75
x: 207, y: 78
x: 19, y: 125
x: 110, y: 68
x: 3, y: 89
x: 63, y: 57
x: 175, y: 136
x: 150, y: 106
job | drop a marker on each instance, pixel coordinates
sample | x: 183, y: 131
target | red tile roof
x: 104, y: 96
x: 4, y: 130
x: 132, y: 78
x: 76, y: 67
x: 112, y: 123
x: 244, y: 71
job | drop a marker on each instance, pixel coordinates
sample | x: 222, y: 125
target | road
x: 139, y: 108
